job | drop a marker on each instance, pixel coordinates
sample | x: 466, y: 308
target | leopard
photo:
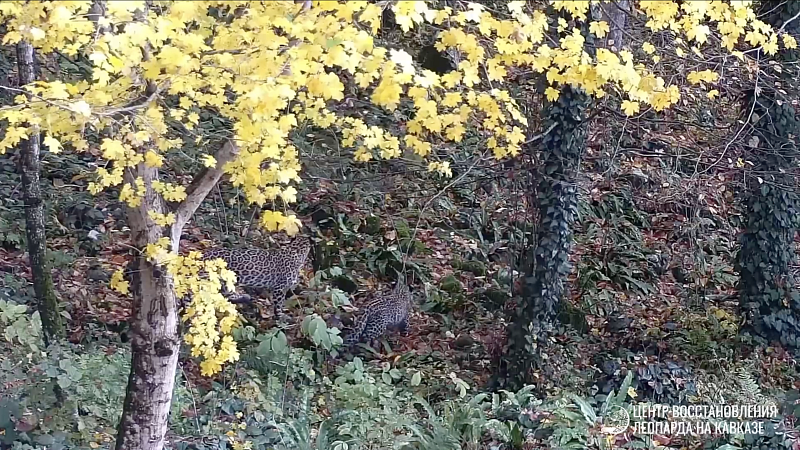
x: 273, y: 270
x: 388, y: 311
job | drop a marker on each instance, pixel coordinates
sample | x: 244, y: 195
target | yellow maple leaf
x: 552, y: 93
x: 289, y: 195
x: 291, y: 225
x: 209, y: 161
x: 632, y: 392
x: 599, y: 29
x: 515, y: 6
x: 52, y: 144
x: 402, y: 59
x: 789, y: 41
x: 362, y: 155
x: 82, y: 108
x: 771, y: 47
x: 272, y: 220
x: 153, y: 159
x: 36, y: 33
x: 118, y: 282
x: 630, y: 108
x: 562, y: 24
x: 452, y: 99
x: 496, y: 71
x: 455, y: 132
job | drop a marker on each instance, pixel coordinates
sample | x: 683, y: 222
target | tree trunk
x: 155, y: 339
x: 155, y: 336
x: 47, y: 303
x: 544, y: 281
x: 767, y: 292
x: 547, y: 268
x: 155, y: 332
x: 155, y: 345
x: 615, y: 14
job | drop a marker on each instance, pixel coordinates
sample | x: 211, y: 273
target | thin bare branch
x: 746, y: 124
x: 136, y: 105
x: 790, y: 20
x: 540, y: 135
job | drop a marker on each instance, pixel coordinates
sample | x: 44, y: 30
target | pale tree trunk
x: 155, y: 333
x: 155, y: 340
x: 155, y: 337
x: 47, y: 303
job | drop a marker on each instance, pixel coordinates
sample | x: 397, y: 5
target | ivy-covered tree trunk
x: 52, y: 324
x: 542, y: 288
x: 544, y: 281
x: 766, y: 291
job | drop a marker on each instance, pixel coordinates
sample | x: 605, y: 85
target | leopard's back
x: 254, y: 267
x: 264, y: 268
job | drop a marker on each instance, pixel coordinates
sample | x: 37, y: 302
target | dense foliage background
x: 666, y: 297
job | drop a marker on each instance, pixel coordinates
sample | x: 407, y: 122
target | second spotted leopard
x: 387, y: 311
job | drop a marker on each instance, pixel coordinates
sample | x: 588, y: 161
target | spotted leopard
x: 272, y: 270
x: 387, y: 311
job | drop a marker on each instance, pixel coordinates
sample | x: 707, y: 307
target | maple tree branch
x: 198, y: 190
x: 152, y: 92
x: 31, y: 95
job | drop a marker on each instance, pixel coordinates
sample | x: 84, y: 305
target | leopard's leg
x: 404, y: 328
x: 373, y: 335
x: 278, y: 299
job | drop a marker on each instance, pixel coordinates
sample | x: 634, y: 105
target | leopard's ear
x: 401, y: 286
x: 399, y: 275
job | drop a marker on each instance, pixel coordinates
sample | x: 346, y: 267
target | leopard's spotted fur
x: 387, y: 311
x: 274, y: 270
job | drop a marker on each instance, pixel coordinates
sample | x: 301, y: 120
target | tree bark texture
x: 615, y: 14
x: 155, y: 337
x: 155, y: 333
x: 47, y: 303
